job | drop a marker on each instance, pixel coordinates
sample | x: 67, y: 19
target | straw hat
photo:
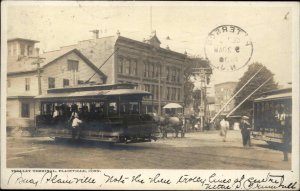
x: 245, y: 117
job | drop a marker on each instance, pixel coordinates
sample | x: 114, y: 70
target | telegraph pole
x: 159, y: 97
x: 200, y: 75
x: 38, y: 62
x: 159, y: 102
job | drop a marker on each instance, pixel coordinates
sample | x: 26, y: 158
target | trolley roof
x: 89, y: 87
x: 286, y: 95
x: 93, y: 94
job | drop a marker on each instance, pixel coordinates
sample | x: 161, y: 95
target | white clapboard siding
x: 59, y: 70
x: 17, y: 85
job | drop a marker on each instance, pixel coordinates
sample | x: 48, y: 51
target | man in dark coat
x: 245, y: 130
x: 285, y: 122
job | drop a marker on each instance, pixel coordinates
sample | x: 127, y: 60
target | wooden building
x: 30, y: 74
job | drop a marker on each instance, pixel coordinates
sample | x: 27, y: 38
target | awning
x: 274, y: 97
x: 172, y: 106
x: 93, y: 94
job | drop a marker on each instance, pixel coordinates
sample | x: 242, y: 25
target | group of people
x: 74, y: 121
x: 244, y: 126
x: 245, y: 131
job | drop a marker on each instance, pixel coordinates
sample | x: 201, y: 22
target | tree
x: 261, y: 77
x: 188, y: 72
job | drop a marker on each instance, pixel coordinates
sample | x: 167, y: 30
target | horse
x: 169, y: 123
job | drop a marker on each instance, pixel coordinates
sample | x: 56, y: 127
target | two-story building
x: 30, y: 74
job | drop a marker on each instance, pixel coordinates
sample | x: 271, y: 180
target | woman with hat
x: 245, y: 130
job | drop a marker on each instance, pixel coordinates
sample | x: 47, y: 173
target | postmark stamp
x: 228, y: 48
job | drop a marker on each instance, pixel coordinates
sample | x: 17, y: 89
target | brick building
x: 223, y: 92
x: 145, y: 64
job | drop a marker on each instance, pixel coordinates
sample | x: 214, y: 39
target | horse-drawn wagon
x: 172, y: 121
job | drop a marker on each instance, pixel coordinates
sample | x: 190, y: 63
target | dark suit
x: 245, y: 126
x: 287, y: 135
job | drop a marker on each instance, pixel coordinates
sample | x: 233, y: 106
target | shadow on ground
x: 94, y: 144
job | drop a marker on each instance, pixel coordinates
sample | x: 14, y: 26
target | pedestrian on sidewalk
x: 224, y: 126
x: 245, y: 130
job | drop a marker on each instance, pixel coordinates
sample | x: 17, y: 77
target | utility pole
x: 200, y: 75
x: 159, y: 101
x: 38, y: 62
x: 159, y: 97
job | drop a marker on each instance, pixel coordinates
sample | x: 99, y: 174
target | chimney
x: 95, y: 34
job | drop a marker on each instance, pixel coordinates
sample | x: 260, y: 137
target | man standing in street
x: 76, y: 128
x: 224, y: 126
x: 285, y: 122
x: 245, y: 130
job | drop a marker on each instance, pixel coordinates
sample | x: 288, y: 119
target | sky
x: 186, y: 24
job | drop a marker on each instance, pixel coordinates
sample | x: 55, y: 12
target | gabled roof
x: 26, y: 64
x: 52, y: 56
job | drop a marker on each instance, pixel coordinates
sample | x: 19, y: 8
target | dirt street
x: 198, y: 150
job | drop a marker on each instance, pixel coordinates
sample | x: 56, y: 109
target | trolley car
x: 272, y: 113
x: 108, y: 113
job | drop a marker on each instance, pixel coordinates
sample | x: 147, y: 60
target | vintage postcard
x: 150, y: 95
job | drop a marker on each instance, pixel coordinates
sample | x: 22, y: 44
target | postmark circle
x: 228, y: 48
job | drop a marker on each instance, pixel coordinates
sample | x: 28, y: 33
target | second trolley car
x: 273, y: 115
